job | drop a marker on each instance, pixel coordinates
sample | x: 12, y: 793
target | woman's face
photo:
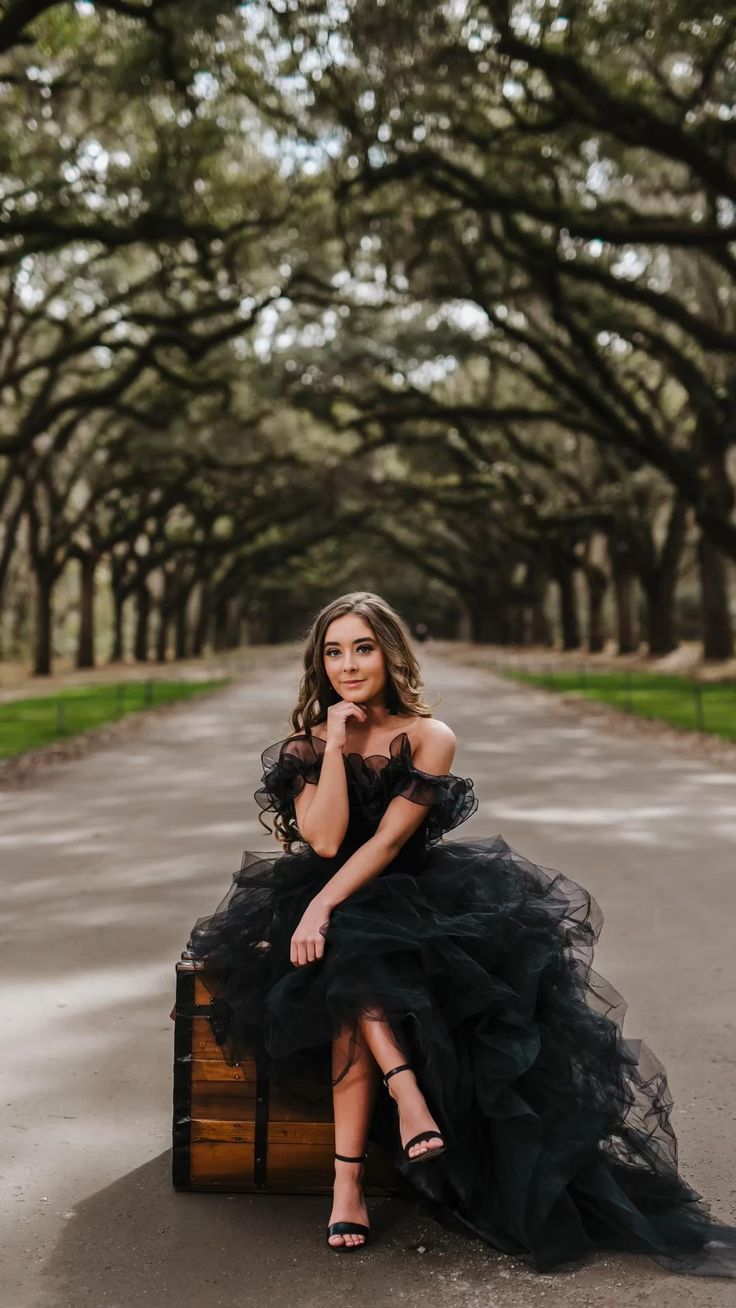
x: 352, y: 654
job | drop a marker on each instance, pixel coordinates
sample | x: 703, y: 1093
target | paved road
x: 109, y: 859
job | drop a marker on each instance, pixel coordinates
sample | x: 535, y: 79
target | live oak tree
x: 570, y: 176
x: 465, y: 276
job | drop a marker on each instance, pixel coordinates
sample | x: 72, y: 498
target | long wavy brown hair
x: 404, y: 681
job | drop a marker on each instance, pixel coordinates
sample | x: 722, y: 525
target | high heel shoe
x: 348, y: 1228
x: 423, y: 1135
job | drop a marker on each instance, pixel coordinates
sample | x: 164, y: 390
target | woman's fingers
x: 306, y: 951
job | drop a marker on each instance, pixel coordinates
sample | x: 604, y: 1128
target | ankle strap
x: 401, y: 1068
x: 344, y: 1158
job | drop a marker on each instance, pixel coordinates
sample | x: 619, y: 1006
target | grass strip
x: 42, y: 719
x: 680, y: 701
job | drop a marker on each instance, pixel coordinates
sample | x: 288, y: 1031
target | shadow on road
x: 139, y: 1241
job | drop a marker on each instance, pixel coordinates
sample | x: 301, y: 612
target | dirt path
x: 108, y: 860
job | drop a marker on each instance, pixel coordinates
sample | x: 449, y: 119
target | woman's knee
x: 351, y: 1033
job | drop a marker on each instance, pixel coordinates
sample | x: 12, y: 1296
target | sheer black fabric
x: 557, y: 1125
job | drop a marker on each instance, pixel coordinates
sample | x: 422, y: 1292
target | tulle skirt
x: 557, y: 1125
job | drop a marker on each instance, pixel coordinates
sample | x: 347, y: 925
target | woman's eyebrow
x: 358, y: 641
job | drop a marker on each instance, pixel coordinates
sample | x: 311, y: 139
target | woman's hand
x: 337, y: 720
x: 308, y: 941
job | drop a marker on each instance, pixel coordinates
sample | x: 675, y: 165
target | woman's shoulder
x: 433, y: 744
x: 423, y: 733
x: 434, y: 729
x: 432, y: 735
x: 419, y: 728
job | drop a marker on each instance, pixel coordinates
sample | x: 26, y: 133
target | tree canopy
x: 290, y: 292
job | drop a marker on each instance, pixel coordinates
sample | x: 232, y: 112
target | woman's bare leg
x: 414, y: 1115
x: 353, y: 1100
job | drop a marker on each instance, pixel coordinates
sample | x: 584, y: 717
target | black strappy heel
x: 348, y: 1228
x: 423, y: 1135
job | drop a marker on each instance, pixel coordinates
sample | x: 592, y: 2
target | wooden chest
x: 234, y: 1130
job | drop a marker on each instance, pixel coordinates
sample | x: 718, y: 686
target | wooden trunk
x: 234, y: 1130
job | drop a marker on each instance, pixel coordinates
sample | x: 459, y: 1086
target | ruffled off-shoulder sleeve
x: 450, y: 799
x: 288, y: 765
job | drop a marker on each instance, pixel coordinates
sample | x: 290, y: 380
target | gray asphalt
x: 107, y: 861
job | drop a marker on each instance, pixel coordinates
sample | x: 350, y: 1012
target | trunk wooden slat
x: 234, y: 1131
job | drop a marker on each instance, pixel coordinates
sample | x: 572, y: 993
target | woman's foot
x: 348, y: 1203
x: 414, y: 1115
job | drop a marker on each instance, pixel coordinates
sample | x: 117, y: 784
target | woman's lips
x: 352, y: 683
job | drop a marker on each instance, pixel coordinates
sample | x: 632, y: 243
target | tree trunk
x: 539, y: 630
x: 20, y: 622
x: 597, y: 585
x: 181, y: 626
x: 202, y: 624
x: 623, y: 590
x: 714, y: 598
x: 516, y: 630
x: 258, y: 627
x: 661, y: 633
x: 565, y: 578
x: 660, y: 583
x: 234, y: 622
x: 483, y: 625
x: 42, y: 640
x: 718, y: 643
x: 11, y: 523
x: 86, y: 642
x: 142, y: 616
x: 219, y: 640
x: 274, y: 631
x: 486, y: 621
x: 118, y: 606
x: 162, y: 634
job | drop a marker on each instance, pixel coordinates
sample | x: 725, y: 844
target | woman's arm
x: 322, y: 817
x: 434, y: 754
x: 322, y: 810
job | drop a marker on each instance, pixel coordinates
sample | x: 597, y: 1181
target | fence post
x: 699, y: 717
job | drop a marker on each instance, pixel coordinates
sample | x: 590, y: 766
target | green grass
x: 701, y: 706
x: 27, y: 723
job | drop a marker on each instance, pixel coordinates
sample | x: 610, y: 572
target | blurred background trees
x: 431, y: 300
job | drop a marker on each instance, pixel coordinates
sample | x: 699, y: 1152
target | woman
x: 456, y: 976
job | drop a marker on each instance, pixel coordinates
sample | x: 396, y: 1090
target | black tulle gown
x: 558, y: 1127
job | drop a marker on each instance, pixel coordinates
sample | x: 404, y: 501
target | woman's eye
x: 368, y: 649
